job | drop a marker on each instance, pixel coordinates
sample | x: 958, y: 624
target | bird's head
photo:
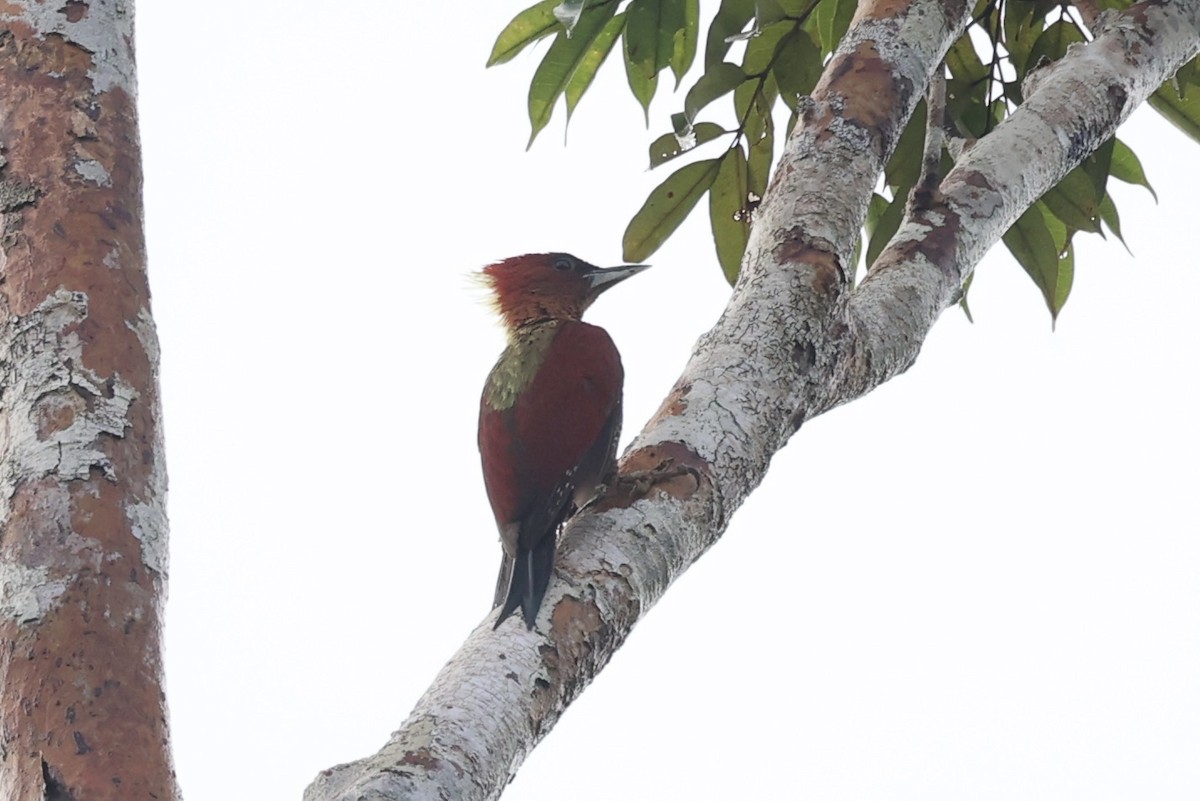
x: 542, y: 286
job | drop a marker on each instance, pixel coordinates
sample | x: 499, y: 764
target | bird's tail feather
x: 527, y: 582
x: 503, y: 580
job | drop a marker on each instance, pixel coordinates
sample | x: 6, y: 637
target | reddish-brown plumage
x: 528, y: 448
x: 550, y: 414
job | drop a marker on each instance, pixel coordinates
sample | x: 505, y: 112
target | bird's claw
x: 639, y: 482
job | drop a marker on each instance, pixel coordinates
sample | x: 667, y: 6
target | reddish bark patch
x: 939, y: 245
x: 669, y: 467
x: 576, y: 633
x: 673, y: 405
x: 422, y: 758
x: 827, y: 275
x: 74, y: 10
x: 979, y: 180
x: 868, y: 88
x: 56, y: 413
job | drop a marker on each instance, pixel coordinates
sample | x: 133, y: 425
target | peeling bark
x: 82, y: 475
x: 795, y: 340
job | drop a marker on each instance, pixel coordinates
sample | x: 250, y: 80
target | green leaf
x: 1053, y: 42
x: 876, y: 206
x: 1031, y: 242
x: 1098, y: 165
x: 768, y: 12
x: 1062, y: 286
x: 1185, y: 77
x: 997, y: 111
x: 563, y: 57
x: 833, y: 20
x: 965, y: 107
x: 798, y: 9
x: 761, y: 49
x: 1013, y: 93
x: 719, y: 79
x: 962, y: 299
x: 886, y: 226
x: 668, y: 146
x: 1128, y: 168
x: 904, y: 167
x: 641, y: 83
x: 1184, y: 114
x: 568, y: 13
x: 1023, y: 23
x: 642, y: 37
x: 672, y: 22
x: 730, y: 20
x: 684, y: 40
x: 594, y: 56
x: 1060, y: 234
x: 752, y: 103
x: 1074, y: 201
x: 1108, y: 213
x: 729, y: 212
x: 964, y: 63
x: 532, y: 24
x: 666, y: 207
x: 762, y: 153
x: 797, y: 66
x: 1191, y: 71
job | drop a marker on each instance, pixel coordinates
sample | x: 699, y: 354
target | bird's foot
x: 638, y: 483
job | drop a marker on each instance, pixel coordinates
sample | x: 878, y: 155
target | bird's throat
x: 519, y: 363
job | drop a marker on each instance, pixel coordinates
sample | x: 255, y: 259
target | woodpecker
x: 550, y: 414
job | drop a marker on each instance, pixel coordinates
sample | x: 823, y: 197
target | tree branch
x: 924, y: 192
x: 1075, y: 105
x: 792, y: 343
x: 83, y: 483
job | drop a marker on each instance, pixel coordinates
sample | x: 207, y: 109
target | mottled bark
x: 795, y: 340
x: 82, y: 476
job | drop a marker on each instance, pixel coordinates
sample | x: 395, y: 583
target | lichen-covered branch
x: 794, y: 341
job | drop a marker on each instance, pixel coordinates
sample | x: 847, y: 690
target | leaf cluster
x: 763, y: 57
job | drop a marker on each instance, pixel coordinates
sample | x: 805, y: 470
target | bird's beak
x: 601, y: 279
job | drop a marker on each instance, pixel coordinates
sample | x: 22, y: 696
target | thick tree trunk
x: 82, y: 476
x: 795, y: 340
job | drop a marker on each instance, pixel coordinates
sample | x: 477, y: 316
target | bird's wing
x: 556, y: 436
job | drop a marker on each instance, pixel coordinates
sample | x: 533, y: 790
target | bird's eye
x: 563, y: 264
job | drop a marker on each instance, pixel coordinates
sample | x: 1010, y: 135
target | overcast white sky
x: 980, y: 582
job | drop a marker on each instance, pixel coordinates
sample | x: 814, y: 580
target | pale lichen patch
x: 148, y: 517
x: 27, y: 593
x: 55, y: 409
x: 143, y: 328
x: 148, y: 522
x: 93, y: 171
x: 105, y: 31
